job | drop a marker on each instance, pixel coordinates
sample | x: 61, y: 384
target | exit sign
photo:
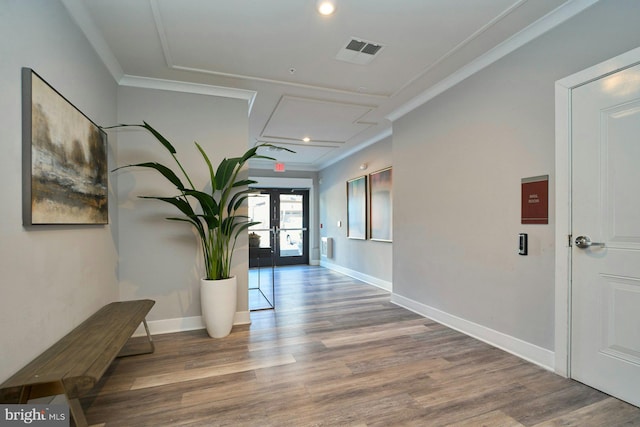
x: 279, y: 167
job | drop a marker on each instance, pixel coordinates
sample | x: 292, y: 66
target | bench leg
x: 25, y: 393
x: 35, y: 391
x: 151, y: 349
x: 77, y: 413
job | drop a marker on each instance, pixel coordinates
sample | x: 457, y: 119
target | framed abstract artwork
x: 64, y: 159
x: 357, y: 208
x: 380, y: 205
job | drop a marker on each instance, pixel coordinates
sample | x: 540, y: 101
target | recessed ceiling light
x: 306, y: 139
x: 326, y: 7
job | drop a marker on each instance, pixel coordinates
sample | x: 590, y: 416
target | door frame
x: 302, y: 183
x: 563, y: 212
x: 274, y: 225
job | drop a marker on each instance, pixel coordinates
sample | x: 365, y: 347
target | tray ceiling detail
x: 295, y: 118
x: 339, y: 80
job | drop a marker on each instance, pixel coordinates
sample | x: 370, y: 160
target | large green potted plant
x: 215, y: 216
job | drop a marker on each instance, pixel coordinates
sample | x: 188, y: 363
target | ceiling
x: 291, y: 65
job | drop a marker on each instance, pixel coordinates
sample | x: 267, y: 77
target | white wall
x: 52, y: 277
x: 160, y: 259
x: 458, y: 164
x: 365, y: 259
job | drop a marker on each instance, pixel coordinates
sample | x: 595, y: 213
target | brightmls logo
x: 34, y: 415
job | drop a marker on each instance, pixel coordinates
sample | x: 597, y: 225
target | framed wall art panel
x: 357, y: 208
x: 381, y: 205
x: 64, y: 159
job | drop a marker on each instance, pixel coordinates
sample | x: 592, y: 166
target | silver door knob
x: 584, y: 242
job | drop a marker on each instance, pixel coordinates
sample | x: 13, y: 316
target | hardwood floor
x: 336, y: 352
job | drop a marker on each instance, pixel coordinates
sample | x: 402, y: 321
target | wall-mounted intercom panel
x: 523, y: 246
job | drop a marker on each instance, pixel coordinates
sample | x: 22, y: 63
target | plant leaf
x: 207, y: 202
x: 164, y: 170
x: 280, y: 148
x: 237, y: 199
x: 249, y: 154
x: 225, y: 171
x: 217, y: 235
x: 212, y: 175
x: 164, y: 141
x: 244, y: 183
x: 178, y: 202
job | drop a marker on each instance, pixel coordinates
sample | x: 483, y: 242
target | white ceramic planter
x: 218, y: 299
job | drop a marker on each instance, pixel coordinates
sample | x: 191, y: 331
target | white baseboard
x: 182, y: 324
x: 527, y: 351
x: 242, y: 318
x: 382, y: 284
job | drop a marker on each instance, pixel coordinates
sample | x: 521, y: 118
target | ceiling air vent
x: 358, y: 51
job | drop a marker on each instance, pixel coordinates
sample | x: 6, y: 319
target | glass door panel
x: 283, y: 228
x: 261, y: 259
x: 291, y: 224
x: 291, y: 238
x: 260, y: 210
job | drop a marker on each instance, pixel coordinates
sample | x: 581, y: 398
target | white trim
x: 187, y: 87
x: 284, y: 182
x: 382, y: 96
x: 160, y: 27
x: 527, y: 351
x: 371, y: 280
x: 563, y: 227
x: 541, y: 26
x: 462, y: 44
x: 242, y: 318
x: 563, y: 90
x: 377, y: 138
x: 162, y: 34
x: 82, y: 18
x: 610, y: 66
x: 167, y: 326
x: 183, y: 324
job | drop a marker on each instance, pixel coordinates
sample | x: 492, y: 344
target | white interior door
x: 605, y: 288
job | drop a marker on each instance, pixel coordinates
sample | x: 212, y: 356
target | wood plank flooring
x: 336, y: 352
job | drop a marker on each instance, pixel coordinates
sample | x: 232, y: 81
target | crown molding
x: 541, y: 26
x: 80, y: 15
x: 376, y: 138
x: 186, y: 87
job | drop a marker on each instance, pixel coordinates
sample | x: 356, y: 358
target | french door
x: 284, y: 224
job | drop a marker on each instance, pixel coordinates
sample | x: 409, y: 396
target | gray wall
x: 458, y: 162
x: 160, y: 259
x: 370, y: 260
x: 52, y: 277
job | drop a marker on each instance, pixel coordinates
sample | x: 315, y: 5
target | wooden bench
x: 74, y: 365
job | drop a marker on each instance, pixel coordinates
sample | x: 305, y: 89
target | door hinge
x: 570, y: 244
